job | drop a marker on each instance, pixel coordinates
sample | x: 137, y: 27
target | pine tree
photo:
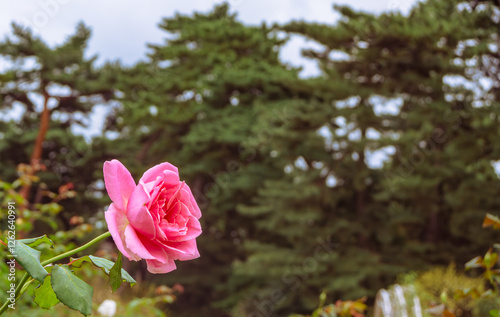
x: 54, y: 89
x: 422, y: 206
x: 194, y: 104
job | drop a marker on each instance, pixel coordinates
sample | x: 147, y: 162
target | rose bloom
x: 155, y: 220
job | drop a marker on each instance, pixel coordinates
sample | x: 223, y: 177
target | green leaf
x: 490, y: 259
x: 33, y: 242
x: 44, y: 295
x: 105, y: 265
x: 72, y: 291
x: 115, y: 275
x: 494, y: 313
x: 29, y: 259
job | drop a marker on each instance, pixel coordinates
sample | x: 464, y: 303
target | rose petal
x: 138, y: 214
x: 187, y: 230
x: 119, y: 183
x: 134, y: 244
x: 184, y: 250
x: 190, y: 233
x: 117, y: 222
x: 191, y: 256
x: 151, y: 174
x: 170, y: 177
x: 175, y: 196
x: 156, y: 250
x: 195, y: 210
x: 194, y: 228
x: 157, y: 267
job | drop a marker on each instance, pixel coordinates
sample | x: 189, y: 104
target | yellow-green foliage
x: 484, y: 305
x: 439, y: 285
x: 144, y: 299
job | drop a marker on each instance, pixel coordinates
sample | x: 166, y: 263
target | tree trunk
x: 36, y: 155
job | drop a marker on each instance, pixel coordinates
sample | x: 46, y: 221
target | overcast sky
x: 121, y: 29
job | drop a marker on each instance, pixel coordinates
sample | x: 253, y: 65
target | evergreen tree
x: 194, y: 104
x: 421, y: 207
x: 53, y: 89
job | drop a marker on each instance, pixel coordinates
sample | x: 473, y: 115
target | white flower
x: 107, y: 308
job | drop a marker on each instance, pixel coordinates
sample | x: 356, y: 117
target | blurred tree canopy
x: 379, y: 165
x: 52, y: 91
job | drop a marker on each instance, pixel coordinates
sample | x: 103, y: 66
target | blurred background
x: 335, y: 148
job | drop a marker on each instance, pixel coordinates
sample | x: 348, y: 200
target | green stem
x: 52, y: 260
x: 83, y: 247
x: 25, y: 287
x: 18, y: 289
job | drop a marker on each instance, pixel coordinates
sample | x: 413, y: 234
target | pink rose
x: 156, y: 220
